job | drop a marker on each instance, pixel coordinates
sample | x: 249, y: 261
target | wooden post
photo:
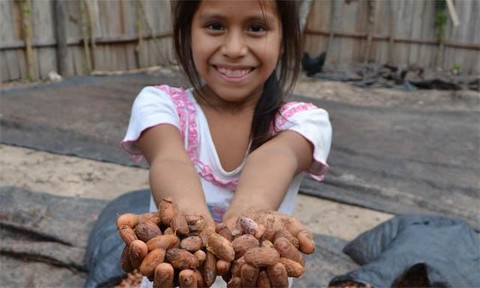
x: 304, y: 12
x: 27, y: 33
x: 139, y: 49
x: 60, y: 18
x: 391, y: 31
x: 332, y: 25
x: 86, y: 37
x: 370, y: 27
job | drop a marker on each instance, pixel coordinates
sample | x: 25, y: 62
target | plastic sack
x: 104, y: 243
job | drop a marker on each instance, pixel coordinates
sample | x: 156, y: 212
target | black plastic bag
x: 104, y: 243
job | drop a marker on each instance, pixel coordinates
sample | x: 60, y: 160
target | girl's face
x: 236, y: 46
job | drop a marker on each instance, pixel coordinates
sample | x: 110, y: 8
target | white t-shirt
x: 178, y: 107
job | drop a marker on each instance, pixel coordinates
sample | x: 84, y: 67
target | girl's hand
x: 274, y: 221
x: 268, y: 248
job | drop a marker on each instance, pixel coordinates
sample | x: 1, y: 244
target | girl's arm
x: 172, y: 173
x: 268, y: 172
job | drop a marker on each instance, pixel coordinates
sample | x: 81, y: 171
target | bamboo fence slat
x: 105, y: 35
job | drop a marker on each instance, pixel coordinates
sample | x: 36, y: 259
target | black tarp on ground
x: 44, y: 242
x: 390, y: 159
x: 416, y: 251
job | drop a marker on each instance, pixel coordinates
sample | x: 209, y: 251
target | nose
x: 234, y: 45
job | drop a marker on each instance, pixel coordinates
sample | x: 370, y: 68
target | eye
x: 216, y: 26
x: 257, y: 28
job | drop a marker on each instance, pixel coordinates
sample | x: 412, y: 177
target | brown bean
x: 199, y: 277
x: 269, y: 234
x: 209, y: 271
x: 223, y: 267
x: 196, y: 223
x: 249, y: 226
x: 168, y: 231
x: 221, y: 247
x: 267, y: 243
x: 261, y: 256
x: 201, y: 256
x: 129, y: 219
x: 278, y: 275
x: 235, y: 282
x: 191, y: 243
x: 164, y: 242
x: 137, y: 250
x: 150, y: 216
x: 125, y: 260
x: 181, y: 259
x: 187, y: 279
x: 223, y: 230
x: 262, y: 280
x: 147, y: 230
x: 164, y: 275
x: 286, y: 249
x: 150, y: 262
x: 127, y: 234
x: 244, y: 242
x: 249, y: 275
x: 294, y: 269
x: 237, y: 266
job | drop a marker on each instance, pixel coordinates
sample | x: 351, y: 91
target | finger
x: 278, y: 275
x: 287, y: 250
x: 179, y: 224
x: 294, y: 269
x: 164, y: 275
x: 306, y: 242
x: 167, y: 210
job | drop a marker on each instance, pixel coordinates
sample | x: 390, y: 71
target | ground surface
x: 78, y: 177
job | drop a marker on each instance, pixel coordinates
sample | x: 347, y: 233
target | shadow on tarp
x: 44, y: 241
x: 391, y: 159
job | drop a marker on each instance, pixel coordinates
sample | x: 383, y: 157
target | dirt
x: 76, y: 177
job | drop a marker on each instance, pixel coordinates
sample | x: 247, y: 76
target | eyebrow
x: 264, y: 17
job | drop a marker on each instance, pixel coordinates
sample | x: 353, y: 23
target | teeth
x: 234, y: 73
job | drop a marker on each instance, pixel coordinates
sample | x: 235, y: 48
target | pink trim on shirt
x: 188, y: 125
x: 290, y: 109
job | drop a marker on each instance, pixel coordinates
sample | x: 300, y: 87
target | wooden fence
x: 78, y: 37
x: 401, y: 32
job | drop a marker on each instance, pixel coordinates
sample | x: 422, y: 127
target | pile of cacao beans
x: 179, y: 249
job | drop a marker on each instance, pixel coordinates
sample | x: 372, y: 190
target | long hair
x: 277, y: 87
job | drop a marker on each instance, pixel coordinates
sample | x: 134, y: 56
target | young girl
x: 231, y: 144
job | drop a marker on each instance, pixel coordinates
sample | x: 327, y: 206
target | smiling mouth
x: 234, y: 72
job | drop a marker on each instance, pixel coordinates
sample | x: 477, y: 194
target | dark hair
x: 278, y: 86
